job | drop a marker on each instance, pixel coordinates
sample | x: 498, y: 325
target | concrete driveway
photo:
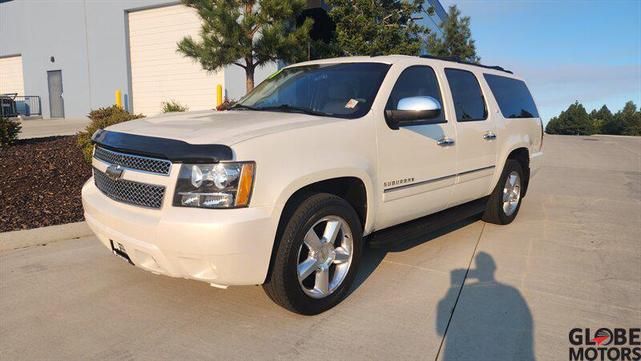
x: 39, y: 128
x: 570, y: 260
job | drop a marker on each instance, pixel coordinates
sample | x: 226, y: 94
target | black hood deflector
x: 174, y: 150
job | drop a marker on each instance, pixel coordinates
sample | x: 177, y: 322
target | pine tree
x: 604, y: 113
x: 247, y: 33
x: 553, y: 126
x: 572, y: 121
x: 600, y: 118
x: 456, y: 40
x: 376, y: 27
x: 615, y: 124
x: 630, y: 119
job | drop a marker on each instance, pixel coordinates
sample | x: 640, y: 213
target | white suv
x: 282, y: 189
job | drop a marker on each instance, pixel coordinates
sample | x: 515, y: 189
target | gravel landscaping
x: 40, y: 183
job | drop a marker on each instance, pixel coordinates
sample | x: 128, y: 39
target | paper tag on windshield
x: 351, y: 104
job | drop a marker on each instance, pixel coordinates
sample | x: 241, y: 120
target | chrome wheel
x: 511, y: 193
x: 325, y: 256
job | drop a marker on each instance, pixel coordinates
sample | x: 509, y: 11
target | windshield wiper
x: 293, y: 109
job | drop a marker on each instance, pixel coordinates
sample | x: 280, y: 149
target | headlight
x: 220, y: 185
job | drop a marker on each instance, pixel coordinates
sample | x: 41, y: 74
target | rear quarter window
x: 513, y: 97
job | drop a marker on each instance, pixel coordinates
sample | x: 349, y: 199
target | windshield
x: 344, y: 90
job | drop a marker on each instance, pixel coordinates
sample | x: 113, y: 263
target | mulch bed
x: 40, y: 183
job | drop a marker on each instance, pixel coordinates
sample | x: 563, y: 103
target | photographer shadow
x: 487, y: 320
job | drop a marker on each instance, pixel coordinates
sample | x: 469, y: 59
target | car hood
x: 215, y: 127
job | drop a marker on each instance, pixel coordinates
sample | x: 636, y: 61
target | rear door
x: 476, y: 142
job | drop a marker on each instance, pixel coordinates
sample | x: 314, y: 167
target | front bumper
x: 222, y: 247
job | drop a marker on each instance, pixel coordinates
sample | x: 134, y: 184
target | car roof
x: 395, y: 59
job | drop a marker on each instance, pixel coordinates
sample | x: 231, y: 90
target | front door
x: 417, y: 164
x: 475, y: 137
x: 56, y: 104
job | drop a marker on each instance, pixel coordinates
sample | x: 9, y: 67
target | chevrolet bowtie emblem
x: 115, y: 172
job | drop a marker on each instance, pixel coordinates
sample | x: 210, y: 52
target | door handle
x: 489, y: 136
x: 445, y: 142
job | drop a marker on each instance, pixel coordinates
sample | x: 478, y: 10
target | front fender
x: 327, y: 174
x: 290, y: 160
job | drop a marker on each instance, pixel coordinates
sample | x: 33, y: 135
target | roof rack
x: 456, y: 59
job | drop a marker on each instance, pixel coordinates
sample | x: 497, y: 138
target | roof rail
x: 456, y: 59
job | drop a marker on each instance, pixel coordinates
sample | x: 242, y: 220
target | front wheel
x: 317, y: 256
x: 505, y: 201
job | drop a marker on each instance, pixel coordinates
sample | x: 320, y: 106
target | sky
x: 566, y: 50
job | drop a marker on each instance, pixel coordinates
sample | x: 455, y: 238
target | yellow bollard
x: 219, y: 95
x: 118, y: 98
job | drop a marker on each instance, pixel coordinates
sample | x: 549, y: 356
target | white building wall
x: 89, y: 43
x: 158, y: 72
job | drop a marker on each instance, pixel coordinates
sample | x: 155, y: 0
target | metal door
x: 475, y: 133
x: 56, y: 103
x: 418, y: 163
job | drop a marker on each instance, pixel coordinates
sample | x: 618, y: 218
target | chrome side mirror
x: 414, y: 111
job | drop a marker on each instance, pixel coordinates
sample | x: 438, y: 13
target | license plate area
x: 119, y: 250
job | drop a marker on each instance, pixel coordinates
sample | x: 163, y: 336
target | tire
x: 318, y: 213
x: 495, y: 210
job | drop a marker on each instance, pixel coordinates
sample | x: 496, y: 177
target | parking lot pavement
x: 571, y: 259
x: 39, y: 128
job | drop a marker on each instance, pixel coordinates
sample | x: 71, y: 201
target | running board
x: 415, y: 229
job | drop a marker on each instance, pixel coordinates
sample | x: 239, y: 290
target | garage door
x: 158, y: 72
x: 11, y: 79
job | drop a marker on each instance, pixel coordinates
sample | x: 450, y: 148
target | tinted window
x: 513, y: 97
x: 466, y: 93
x: 413, y: 82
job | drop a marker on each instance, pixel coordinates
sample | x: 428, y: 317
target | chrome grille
x: 152, y: 165
x: 138, y: 194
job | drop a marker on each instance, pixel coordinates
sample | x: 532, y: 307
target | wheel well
x: 351, y: 189
x: 522, y: 155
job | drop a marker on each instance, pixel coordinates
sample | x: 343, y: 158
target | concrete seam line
x: 449, y: 321
x: 32, y: 237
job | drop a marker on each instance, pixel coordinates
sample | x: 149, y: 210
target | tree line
x: 575, y: 120
x: 252, y: 33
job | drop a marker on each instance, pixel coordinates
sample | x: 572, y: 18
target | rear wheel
x: 317, y: 256
x: 505, y: 201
